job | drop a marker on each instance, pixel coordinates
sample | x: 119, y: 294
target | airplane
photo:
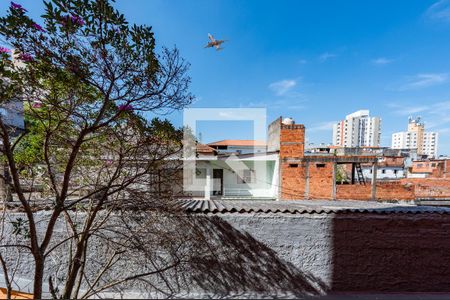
x: 214, y: 43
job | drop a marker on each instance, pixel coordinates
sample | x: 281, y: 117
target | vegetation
x: 87, y: 79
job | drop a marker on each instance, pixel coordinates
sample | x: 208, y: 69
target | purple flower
x: 77, y: 20
x: 36, y: 104
x: 38, y: 27
x: 125, y: 107
x: 25, y: 57
x: 17, y: 6
x: 4, y: 50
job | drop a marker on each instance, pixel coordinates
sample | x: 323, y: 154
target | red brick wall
x: 293, y: 176
x: 292, y: 141
x: 385, y: 191
x: 320, y: 180
x: 293, y: 179
x: 353, y: 191
x: 429, y: 187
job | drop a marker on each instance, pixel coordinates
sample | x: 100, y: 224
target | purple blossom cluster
x: 25, y: 57
x: 77, y: 20
x: 4, y: 50
x: 17, y: 7
x: 38, y: 27
x: 125, y: 107
x: 74, y: 19
x: 36, y: 104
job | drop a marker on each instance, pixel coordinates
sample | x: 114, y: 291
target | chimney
x: 292, y: 139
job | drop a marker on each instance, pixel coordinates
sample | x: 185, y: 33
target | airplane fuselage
x: 214, y: 43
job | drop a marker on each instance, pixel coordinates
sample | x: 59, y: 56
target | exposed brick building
x: 433, y: 168
x: 293, y: 174
x: 314, y: 176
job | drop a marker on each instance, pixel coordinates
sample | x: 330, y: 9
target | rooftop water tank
x: 288, y: 121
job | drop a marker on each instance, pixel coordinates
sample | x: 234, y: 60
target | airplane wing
x: 209, y: 45
x: 211, y: 38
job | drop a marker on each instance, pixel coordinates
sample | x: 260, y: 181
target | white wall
x: 389, y: 173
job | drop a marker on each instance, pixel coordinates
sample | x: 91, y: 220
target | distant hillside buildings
x: 416, y: 138
x: 357, y: 130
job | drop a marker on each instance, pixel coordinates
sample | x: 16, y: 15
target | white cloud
x: 322, y: 126
x: 439, y: 11
x: 381, y: 61
x: 279, y: 104
x: 326, y: 56
x: 405, y: 110
x: 434, y: 115
x: 420, y: 81
x: 282, y: 87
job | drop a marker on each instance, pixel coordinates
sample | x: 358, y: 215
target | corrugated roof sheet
x: 305, y: 207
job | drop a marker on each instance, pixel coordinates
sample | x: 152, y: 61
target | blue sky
x: 315, y: 61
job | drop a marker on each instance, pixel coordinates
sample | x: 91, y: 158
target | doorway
x: 218, y: 184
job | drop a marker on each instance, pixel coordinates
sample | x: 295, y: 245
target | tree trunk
x: 5, y: 190
x: 38, y: 276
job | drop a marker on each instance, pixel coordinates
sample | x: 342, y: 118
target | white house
x: 215, y: 175
x: 389, y: 168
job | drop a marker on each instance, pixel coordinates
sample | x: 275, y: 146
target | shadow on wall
x: 391, y: 253
x: 233, y: 262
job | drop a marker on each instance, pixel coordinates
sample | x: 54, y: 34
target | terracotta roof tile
x: 238, y: 143
x: 202, y: 148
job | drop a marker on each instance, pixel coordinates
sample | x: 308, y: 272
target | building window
x: 395, y: 172
x: 293, y: 165
x: 247, y: 176
x: 383, y: 171
x: 320, y: 165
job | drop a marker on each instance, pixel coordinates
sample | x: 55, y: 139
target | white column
x: 208, y: 184
x: 374, y: 181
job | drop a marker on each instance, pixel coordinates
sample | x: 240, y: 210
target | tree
x: 341, y: 175
x: 87, y: 78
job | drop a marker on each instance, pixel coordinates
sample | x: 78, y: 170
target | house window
x: 293, y: 165
x: 320, y: 165
x: 247, y: 176
x: 200, y: 173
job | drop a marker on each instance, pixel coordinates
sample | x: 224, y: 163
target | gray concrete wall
x: 280, y: 255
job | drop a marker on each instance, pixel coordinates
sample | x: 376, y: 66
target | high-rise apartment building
x: 357, y: 130
x: 416, y: 138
